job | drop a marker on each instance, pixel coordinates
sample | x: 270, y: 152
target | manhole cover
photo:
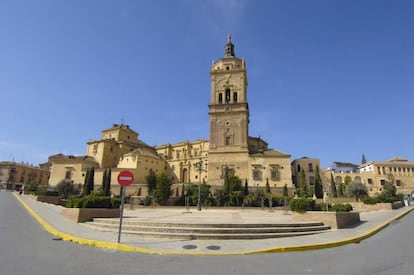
x: 190, y: 246
x: 214, y: 247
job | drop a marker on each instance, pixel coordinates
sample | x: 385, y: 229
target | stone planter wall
x: 361, y: 207
x: 49, y: 199
x: 87, y: 214
x: 335, y: 220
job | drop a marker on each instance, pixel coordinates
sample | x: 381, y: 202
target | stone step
x: 209, y: 231
x: 133, y: 222
x: 232, y: 236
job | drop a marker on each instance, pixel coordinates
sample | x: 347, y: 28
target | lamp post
x: 199, y: 167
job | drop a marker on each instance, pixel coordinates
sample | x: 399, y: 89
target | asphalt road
x: 26, y: 248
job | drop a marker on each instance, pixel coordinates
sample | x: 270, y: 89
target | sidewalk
x: 49, y: 217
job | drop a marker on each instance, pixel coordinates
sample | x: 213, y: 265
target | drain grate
x: 213, y: 247
x: 57, y: 239
x: 189, y: 246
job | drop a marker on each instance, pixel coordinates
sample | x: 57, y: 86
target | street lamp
x: 199, y: 167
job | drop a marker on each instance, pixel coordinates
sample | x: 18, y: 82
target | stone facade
x: 14, y: 175
x: 374, y: 174
x: 229, y: 150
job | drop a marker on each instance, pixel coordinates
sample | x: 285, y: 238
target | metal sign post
x: 121, y: 214
x: 125, y: 178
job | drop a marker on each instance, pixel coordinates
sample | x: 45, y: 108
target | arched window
x: 235, y: 97
x: 220, y: 99
x: 227, y: 95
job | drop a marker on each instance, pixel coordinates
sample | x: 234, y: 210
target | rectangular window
x: 274, y: 174
x: 369, y: 181
x: 310, y: 166
x: 382, y: 182
x: 68, y: 175
x: 95, y: 149
x: 311, y: 180
x: 398, y: 182
x: 257, y: 174
x: 227, y: 140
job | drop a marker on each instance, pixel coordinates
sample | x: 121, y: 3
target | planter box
x: 87, y: 214
x: 335, y: 220
x: 361, y: 207
x: 49, y: 199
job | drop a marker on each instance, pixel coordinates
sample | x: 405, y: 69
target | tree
x: 151, y: 180
x: 357, y: 190
x: 302, y: 182
x: 107, y: 183
x: 267, y: 186
x: 318, y: 184
x: 333, y: 187
x: 235, y: 183
x: 163, y: 190
x: 340, y: 189
x: 226, y: 186
x: 246, y: 189
x: 104, y: 180
x: 89, y: 181
x: 65, y: 188
x: 285, y: 190
x: 191, y: 191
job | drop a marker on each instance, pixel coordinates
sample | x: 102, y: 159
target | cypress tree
x: 302, y: 182
x: 267, y: 186
x: 318, y: 184
x: 285, y: 190
x: 107, y: 188
x: 89, y: 186
x: 333, y: 187
x: 104, y: 181
x: 246, y: 189
x: 85, y: 182
x: 108, y: 182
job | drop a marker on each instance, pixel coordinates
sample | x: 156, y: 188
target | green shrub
x: 75, y: 202
x: 41, y: 191
x: 322, y: 206
x: 370, y: 200
x: 302, y: 204
x: 93, y: 201
x: 342, y: 207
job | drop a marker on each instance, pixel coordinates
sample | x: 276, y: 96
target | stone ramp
x: 208, y: 230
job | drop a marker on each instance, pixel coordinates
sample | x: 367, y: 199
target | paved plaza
x: 49, y: 216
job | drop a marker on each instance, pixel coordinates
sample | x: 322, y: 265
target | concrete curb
x: 355, y: 239
x: 127, y: 248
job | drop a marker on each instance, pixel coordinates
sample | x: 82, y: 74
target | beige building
x: 374, y: 174
x: 119, y: 149
x: 308, y: 166
x: 230, y: 147
x: 14, y: 175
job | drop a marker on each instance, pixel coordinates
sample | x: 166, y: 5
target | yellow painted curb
x: 127, y: 248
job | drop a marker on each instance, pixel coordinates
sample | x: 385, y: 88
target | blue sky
x: 327, y: 79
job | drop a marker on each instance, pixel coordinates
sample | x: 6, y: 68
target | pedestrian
x: 20, y: 190
x: 405, y: 198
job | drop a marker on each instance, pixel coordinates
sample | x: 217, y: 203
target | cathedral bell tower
x: 229, y: 116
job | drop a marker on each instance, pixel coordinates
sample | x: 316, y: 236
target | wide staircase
x: 199, y: 230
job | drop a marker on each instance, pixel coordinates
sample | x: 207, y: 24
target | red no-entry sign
x: 125, y: 178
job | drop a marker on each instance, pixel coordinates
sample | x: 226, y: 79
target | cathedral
x: 229, y: 149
